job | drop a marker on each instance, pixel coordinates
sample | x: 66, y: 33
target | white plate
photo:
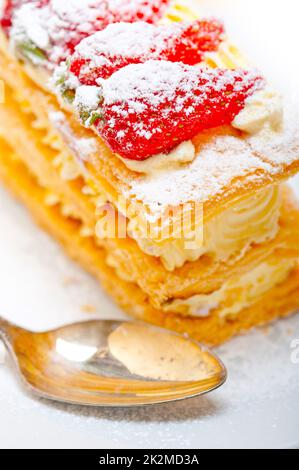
x: 41, y: 288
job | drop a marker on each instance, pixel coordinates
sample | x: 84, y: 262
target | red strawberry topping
x: 150, y: 108
x: 6, y: 18
x: 66, y: 23
x: 10, y: 6
x: 136, y: 10
x: 101, y: 13
x: 121, y: 44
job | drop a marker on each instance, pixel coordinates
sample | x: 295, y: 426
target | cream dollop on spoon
x: 112, y: 363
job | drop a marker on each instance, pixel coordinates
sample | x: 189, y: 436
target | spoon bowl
x: 112, y: 363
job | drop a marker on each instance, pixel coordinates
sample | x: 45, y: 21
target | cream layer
x: 236, y: 294
x: 253, y: 220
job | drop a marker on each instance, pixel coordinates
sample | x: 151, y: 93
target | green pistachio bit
x: 60, y: 80
x: 95, y: 117
x: 84, y: 115
x: 89, y: 118
x: 68, y: 95
x: 30, y: 51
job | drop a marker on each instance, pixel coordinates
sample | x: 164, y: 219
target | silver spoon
x: 112, y: 363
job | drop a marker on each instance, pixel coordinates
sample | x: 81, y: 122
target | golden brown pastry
x: 202, y: 235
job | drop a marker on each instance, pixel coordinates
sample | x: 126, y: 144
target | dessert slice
x: 221, y: 243
x: 269, y: 292
x: 159, y: 154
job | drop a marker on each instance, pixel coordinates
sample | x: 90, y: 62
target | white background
x: 40, y: 288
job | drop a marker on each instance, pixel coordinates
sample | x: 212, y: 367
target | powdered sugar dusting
x: 219, y: 161
x: 149, y: 9
x: 57, y: 26
x: 87, y: 97
x: 280, y: 148
x: 86, y: 146
x: 122, y: 43
x: 221, y: 164
x: 125, y: 39
x: 82, y: 147
x: 156, y: 81
x: 78, y: 12
x: 152, y: 82
x: 151, y: 107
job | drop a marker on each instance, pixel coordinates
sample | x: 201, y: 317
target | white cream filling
x: 253, y: 220
x: 236, y: 294
x: 183, y: 153
x: 263, y: 109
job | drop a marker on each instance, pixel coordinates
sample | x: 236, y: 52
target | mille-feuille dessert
x: 140, y: 137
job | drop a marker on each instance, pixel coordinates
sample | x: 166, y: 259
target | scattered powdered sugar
x: 219, y: 161
x: 54, y: 27
x: 30, y: 27
x: 87, y: 98
x: 81, y: 13
x: 86, y: 147
x: 280, y: 148
x: 153, y: 82
x: 58, y: 26
x: 156, y: 81
x: 60, y: 74
x: 126, y: 39
x: 148, y: 9
x: 82, y: 147
x: 180, y: 90
x: 222, y: 161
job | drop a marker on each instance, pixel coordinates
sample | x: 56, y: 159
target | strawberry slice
x: 98, y: 14
x: 8, y: 10
x: 121, y: 44
x: 136, y: 10
x: 147, y: 109
x: 61, y: 25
